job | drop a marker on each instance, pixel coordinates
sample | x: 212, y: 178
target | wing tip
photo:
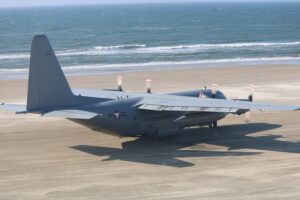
x: 16, y: 108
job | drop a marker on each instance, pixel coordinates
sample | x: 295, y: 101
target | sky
x: 21, y: 3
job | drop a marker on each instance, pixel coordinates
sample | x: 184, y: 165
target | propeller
x: 251, y: 92
x: 148, y: 85
x: 120, y: 83
x: 247, y: 115
x: 214, y: 89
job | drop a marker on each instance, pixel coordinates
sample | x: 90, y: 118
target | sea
x: 135, y: 37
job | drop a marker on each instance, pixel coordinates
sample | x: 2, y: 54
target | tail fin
x: 47, y: 85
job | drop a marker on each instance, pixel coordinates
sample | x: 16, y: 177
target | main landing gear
x: 213, y: 124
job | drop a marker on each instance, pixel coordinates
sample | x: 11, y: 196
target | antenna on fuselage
x: 120, y: 83
x: 148, y: 85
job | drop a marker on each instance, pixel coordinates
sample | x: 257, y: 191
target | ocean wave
x: 183, y: 63
x: 172, y: 49
x: 13, y: 56
x: 222, y: 46
x: 175, y: 49
x: 168, y: 64
x: 238, y: 45
x: 129, y: 46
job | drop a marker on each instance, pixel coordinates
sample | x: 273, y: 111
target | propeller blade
x: 214, y: 89
x: 148, y: 85
x: 120, y: 83
x: 252, y: 88
x: 247, y: 117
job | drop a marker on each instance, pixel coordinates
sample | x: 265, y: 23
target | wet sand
x: 42, y: 158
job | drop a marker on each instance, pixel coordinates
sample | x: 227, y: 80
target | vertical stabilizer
x: 47, y: 85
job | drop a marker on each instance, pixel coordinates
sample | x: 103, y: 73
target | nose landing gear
x: 213, y: 124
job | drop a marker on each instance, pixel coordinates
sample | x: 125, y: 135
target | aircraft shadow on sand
x: 234, y: 137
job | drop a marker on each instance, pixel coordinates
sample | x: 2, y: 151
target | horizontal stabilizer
x: 71, y: 114
x: 13, y: 108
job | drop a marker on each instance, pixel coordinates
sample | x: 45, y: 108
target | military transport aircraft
x: 119, y: 112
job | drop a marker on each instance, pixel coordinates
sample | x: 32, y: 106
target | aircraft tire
x: 215, y: 124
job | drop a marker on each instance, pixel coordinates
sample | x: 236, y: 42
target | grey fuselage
x: 119, y: 116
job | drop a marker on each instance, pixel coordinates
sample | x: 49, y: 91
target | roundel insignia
x: 117, y: 115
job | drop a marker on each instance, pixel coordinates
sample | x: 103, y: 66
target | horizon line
x: 150, y: 3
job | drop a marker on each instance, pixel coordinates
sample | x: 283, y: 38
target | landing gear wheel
x: 213, y: 125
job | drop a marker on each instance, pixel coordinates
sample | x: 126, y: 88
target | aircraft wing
x: 193, y: 104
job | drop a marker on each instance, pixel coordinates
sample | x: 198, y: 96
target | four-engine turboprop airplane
x: 122, y: 113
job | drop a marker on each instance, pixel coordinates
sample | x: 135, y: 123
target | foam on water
x: 143, y: 49
x: 93, y: 69
x: 129, y: 46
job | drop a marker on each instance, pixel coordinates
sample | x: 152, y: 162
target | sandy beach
x: 42, y: 158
